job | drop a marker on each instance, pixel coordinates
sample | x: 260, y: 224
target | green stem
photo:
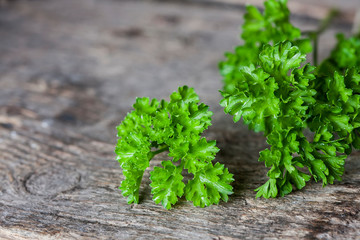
x: 136, y: 193
x: 314, y: 35
x: 151, y: 154
x: 326, y: 22
x: 315, y: 52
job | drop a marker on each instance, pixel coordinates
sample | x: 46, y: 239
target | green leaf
x: 336, y: 89
x: 184, y: 95
x: 279, y: 59
x: 131, y: 185
x: 271, y: 26
x: 167, y: 184
x: 143, y: 105
x: 299, y: 178
x: 200, y: 153
x: 209, y: 185
x: 269, y: 189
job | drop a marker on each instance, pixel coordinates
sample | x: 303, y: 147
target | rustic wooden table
x: 69, y: 73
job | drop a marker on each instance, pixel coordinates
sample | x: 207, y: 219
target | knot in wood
x: 52, y: 181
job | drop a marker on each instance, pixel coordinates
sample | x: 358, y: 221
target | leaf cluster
x: 345, y: 55
x: 174, y: 126
x: 309, y: 115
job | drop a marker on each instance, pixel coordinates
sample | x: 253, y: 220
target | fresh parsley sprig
x: 272, y: 101
x: 268, y: 84
x: 175, y: 126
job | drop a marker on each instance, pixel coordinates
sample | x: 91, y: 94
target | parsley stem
x: 314, y: 35
x: 315, y: 53
x: 151, y: 154
x: 326, y: 22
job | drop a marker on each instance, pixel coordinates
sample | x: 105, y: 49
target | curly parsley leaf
x: 209, y: 185
x: 167, y: 184
x: 259, y: 29
x: 271, y: 26
x: 345, y: 55
x: 175, y: 126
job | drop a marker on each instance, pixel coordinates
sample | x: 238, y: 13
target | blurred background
x: 79, y: 65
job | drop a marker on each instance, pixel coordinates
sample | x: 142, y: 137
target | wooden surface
x: 69, y: 73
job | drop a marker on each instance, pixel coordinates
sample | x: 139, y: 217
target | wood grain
x: 304, y: 9
x: 68, y: 76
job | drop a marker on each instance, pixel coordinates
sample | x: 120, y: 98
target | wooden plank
x: 52, y: 187
x: 68, y: 75
x: 306, y: 8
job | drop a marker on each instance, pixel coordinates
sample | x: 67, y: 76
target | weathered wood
x: 305, y: 8
x: 69, y: 72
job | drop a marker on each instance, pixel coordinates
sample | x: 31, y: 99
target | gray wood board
x: 69, y: 73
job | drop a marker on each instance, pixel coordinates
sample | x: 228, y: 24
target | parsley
x: 268, y: 84
x: 175, y: 126
x: 346, y: 54
x: 260, y: 29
